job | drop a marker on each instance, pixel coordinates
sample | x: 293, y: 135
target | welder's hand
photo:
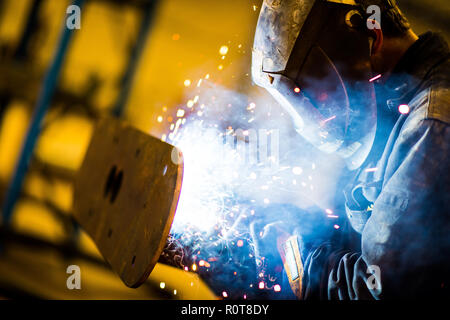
x: 281, y: 221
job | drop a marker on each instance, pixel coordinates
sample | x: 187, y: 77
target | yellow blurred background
x: 188, y: 40
x: 183, y: 45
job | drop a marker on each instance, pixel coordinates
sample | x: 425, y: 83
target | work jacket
x: 398, y: 201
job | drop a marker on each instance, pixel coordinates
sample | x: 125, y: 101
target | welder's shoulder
x: 430, y: 112
x: 433, y: 101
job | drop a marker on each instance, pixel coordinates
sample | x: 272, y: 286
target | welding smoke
x: 238, y: 149
x: 244, y: 165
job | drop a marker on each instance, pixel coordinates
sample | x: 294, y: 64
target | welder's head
x: 314, y: 57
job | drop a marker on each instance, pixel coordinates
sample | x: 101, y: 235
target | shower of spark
x: 229, y: 179
x: 211, y: 170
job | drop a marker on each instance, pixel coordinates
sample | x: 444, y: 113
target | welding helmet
x: 313, y: 57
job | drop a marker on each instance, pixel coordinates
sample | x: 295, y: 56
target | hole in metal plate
x: 113, y: 184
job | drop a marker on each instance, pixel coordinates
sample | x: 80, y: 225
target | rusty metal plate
x: 126, y: 194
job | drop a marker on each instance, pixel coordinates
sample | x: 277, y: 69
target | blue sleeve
x: 405, y: 243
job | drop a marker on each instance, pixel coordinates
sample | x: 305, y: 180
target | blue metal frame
x: 128, y: 78
x: 48, y: 89
x: 34, y: 129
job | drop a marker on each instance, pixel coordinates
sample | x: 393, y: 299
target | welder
x: 358, y: 82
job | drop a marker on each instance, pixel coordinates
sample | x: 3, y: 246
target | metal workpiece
x: 126, y: 194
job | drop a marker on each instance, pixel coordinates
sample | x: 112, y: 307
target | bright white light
x: 223, y: 50
x: 403, y: 109
x: 221, y: 180
x: 207, y: 178
x: 180, y: 113
x: 375, y: 78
